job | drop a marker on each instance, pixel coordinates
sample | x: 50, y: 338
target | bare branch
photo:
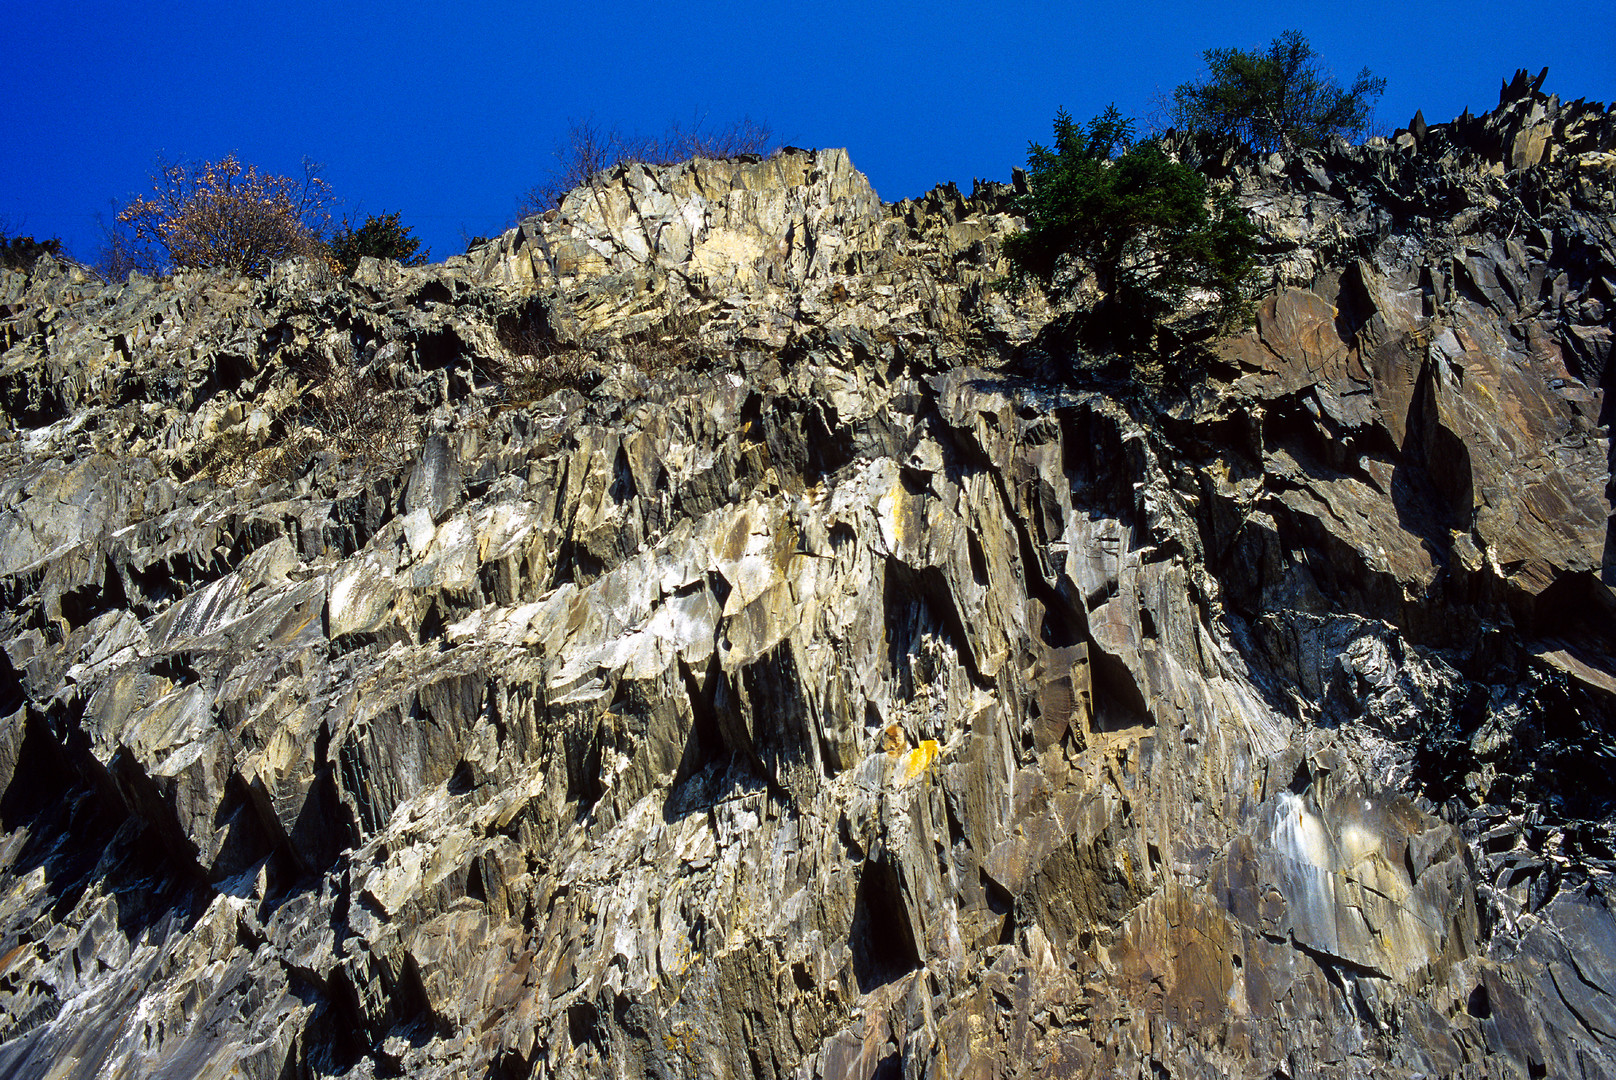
x: 226, y: 215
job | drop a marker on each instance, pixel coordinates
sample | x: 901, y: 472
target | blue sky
x: 447, y: 112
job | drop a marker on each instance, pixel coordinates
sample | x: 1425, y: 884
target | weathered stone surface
x: 832, y: 701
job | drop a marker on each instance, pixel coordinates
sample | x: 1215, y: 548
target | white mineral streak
x: 828, y: 682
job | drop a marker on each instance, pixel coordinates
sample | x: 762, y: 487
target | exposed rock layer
x: 844, y: 702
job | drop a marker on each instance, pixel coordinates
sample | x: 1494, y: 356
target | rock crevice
x: 813, y: 687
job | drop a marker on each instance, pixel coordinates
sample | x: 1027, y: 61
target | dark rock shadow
x: 881, y: 940
x: 81, y: 835
x: 709, y: 771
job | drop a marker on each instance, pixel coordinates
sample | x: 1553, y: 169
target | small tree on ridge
x: 382, y: 236
x: 224, y: 215
x: 1281, y: 99
x: 1145, y: 225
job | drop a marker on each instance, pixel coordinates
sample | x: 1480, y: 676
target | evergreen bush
x: 21, y: 252
x: 1282, y: 99
x: 1144, y: 226
x: 382, y: 236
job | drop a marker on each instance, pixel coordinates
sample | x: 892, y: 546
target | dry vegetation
x: 364, y: 417
x: 589, y: 149
x: 673, y: 344
x: 344, y: 408
x: 536, y: 365
x: 226, y: 215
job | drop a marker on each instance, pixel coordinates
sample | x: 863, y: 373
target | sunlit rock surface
x: 866, y: 687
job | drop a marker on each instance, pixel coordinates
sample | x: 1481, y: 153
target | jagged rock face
x: 765, y: 251
x: 849, y: 704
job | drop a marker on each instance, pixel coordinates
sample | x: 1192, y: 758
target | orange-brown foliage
x: 225, y: 215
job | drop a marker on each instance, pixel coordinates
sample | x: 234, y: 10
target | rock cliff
x: 835, y: 677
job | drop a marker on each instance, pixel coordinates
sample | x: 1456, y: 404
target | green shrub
x: 1279, y: 99
x: 1145, y: 226
x: 381, y: 237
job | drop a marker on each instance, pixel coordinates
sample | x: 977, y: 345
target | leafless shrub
x: 533, y: 377
x: 225, y: 215
x: 234, y: 456
x: 287, y: 458
x: 536, y: 365
x: 362, y: 416
x: 736, y: 139
x: 673, y: 344
x: 589, y: 149
x: 228, y: 457
x: 1158, y: 114
x: 586, y: 151
x: 121, y: 251
x: 345, y: 408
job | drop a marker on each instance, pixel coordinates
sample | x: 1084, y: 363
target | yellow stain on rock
x: 918, y: 760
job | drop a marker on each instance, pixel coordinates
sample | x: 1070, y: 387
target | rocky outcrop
x: 832, y: 699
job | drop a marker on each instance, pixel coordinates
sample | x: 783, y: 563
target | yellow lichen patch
x: 785, y: 547
x: 886, y: 520
x: 917, y: 760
